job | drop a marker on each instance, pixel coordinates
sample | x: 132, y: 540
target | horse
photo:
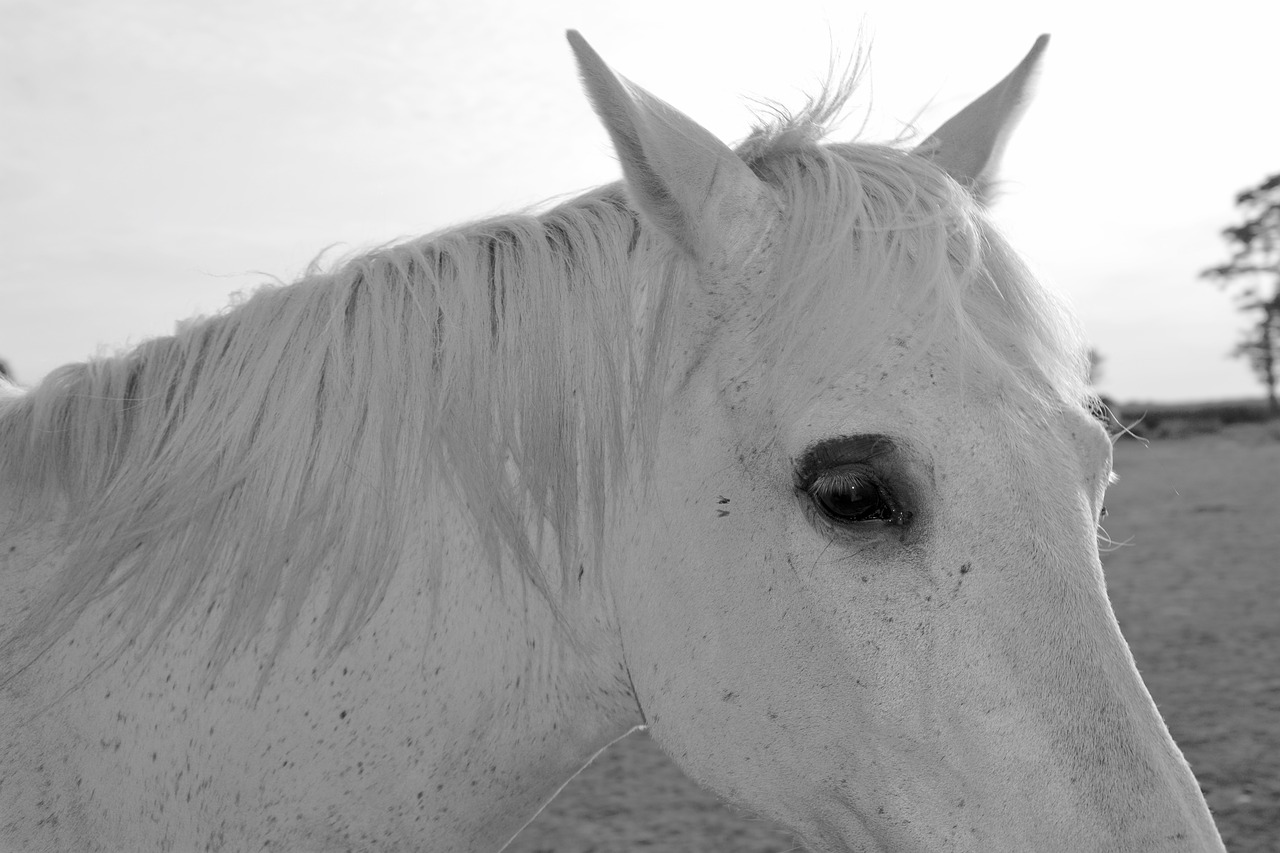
x: 778, y: 451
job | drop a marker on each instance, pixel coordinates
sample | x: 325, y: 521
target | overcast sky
x: 158, y: 155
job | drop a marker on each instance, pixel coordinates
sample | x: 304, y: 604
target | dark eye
x: 850, y: 496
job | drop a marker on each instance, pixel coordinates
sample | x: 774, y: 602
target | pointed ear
x: 685, y: 181
x: 970, y: 144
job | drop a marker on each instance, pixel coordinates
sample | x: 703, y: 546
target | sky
x: 159, y: 156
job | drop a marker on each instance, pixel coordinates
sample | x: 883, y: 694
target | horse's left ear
x: 682, y: 178
x: 970, y: 144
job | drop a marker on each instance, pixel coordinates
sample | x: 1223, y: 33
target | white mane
x: 296, y: 436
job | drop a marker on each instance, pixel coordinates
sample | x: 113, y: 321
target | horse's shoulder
x: 40, y: 808
x: 30, y: 557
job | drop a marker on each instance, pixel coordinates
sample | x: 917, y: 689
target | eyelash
x: 831, y: 485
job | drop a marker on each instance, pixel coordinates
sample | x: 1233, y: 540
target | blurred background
x: 157, y: 156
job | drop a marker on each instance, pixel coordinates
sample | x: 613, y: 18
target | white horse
x: 779, y: 452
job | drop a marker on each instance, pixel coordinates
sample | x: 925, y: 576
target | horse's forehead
x: 898, y: 391
x: 897, y: 360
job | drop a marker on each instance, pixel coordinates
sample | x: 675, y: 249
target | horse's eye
x: 852, y: 497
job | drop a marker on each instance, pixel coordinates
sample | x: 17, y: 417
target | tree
x: 1255, y: 265
x: 1095, y: 365
x: 1102, y: 407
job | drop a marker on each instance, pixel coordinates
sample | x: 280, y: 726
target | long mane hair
x: 515, y: 367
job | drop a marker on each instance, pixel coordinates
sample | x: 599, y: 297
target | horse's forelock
x: 875, y: 235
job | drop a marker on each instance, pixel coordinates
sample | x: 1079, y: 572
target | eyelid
x: 838, y: 452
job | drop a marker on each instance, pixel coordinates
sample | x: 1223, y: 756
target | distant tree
x: 4, y: 370
x: 1095, y: 365
x: 1255, y: 266
x: 1102, y: 406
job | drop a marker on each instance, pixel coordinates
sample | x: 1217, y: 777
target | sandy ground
x: 1196, y: 587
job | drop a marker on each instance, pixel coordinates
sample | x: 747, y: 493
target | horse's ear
x: 685, y: 181
x: 970, y: 144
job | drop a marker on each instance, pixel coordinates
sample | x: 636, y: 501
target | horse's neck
x: 460, y: 709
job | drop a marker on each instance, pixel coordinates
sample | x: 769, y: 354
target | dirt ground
x: 1196, y: 587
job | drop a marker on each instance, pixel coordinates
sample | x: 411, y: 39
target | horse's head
x: 871, y: 605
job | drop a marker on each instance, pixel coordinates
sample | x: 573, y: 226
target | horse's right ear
x: 689, y: 184
x: 969, y: 145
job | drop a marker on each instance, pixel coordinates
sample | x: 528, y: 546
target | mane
x: 295, y: 437
x: 515, y: 365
